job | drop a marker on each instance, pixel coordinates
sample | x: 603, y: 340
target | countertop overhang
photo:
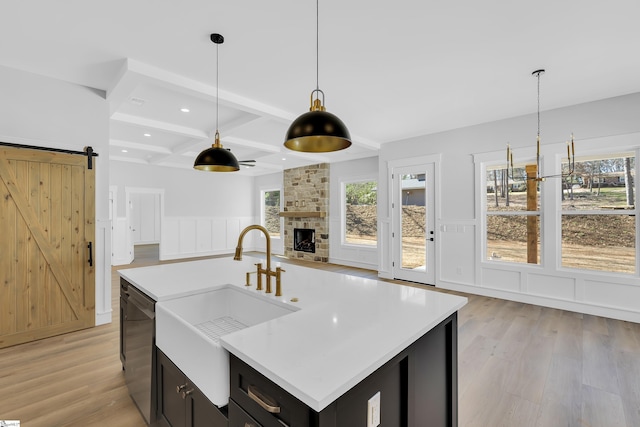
x: 346, y: 328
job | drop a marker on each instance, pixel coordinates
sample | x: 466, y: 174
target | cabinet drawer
x: 239, y: 418
x: 265, y: 401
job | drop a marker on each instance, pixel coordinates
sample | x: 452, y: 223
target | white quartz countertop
x: 346, y: 328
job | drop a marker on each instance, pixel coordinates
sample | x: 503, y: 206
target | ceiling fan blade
x: 249, y: 163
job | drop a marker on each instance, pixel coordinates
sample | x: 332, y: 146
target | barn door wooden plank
x: 38, y: 234
x: 8, y: 256
x: 22, y: 260
x: 56, y: 299
x: 90, y: 236
x: 42, y: 302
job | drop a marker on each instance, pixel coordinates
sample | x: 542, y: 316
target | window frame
x: 343, y: 210
x: 601, y: 154
x: 263, y: 191
x: 551, y: 209
x: 485, y: 166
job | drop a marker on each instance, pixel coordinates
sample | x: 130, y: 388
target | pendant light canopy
x: 317, y: 131
x: 216, y: 158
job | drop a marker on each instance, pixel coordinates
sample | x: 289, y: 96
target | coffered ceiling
x: 390, y: 70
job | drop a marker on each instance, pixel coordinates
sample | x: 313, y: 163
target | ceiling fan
x: 248, y: 163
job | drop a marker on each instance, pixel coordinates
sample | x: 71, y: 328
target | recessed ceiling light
x: 184, y: 110
x: 147, y: 135
x: 284, y: 158
x: 125, y: 151
x: 137, y: 101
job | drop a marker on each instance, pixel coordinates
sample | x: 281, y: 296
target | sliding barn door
x: 47, y: 285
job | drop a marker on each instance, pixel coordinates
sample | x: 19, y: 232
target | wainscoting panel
x: 187, y: 237
x: 457, y: 260
x: 204, y: 235
x: 103, y: 271
x: 552, y: 286
x: 625, y: 296
x: 505, y: 280
x: 120, y: 255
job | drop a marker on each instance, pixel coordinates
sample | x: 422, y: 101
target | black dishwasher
x: 137, y: 347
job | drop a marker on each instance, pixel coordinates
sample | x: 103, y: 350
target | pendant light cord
x: 317, y: 44
x: 539, y: 104
x: 217, y: 84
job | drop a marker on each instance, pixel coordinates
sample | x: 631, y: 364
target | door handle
x: 90, y: 246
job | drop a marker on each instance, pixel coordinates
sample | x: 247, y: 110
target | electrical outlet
x: 373, y: 411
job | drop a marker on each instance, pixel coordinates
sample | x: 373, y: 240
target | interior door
x: 47, y: 212
x: 413, y: 216
x: 145, y: 218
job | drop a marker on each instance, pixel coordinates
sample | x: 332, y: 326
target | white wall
x: 203, y: 212
x: 458, y: 232
x: 339, y: 253
x: 41, y: 111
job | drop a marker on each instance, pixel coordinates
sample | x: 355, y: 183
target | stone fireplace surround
x: 306, y: 205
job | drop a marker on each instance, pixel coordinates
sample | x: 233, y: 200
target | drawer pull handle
x: 267, y: 403
x: 187, y: 393
x: 249, y: 425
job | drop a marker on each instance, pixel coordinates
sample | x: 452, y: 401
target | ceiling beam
x: 159, y: 125
x: 137, y: 146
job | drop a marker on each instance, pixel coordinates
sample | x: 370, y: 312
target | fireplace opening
x: 304, y: 240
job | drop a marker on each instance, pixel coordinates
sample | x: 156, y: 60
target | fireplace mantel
x: 306, y: 214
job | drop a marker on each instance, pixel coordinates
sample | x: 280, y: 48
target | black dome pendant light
x: 317, y: 131
x: 216, y: 158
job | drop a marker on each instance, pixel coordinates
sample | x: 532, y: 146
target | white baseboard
x: 356, y: 264
x: 578, y: 307
x: 103, y: 318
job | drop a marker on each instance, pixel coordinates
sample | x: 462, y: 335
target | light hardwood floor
x: 519, y: 365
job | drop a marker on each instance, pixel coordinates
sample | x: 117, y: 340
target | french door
x: 413, y: 222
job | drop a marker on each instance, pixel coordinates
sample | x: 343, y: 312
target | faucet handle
x: 259, y: 271
x: 249, y: 273
x: 279, y: 281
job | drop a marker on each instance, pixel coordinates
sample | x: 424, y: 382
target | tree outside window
x: 599, y: 214
x: 512, y: 216
x: 360, y: 219
x: 271, y: 212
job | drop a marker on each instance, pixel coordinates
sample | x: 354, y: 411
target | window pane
x: 508, y: 238
x: 271, y: 212
x: 599, y: 242
x: 515, y: 199
x: 361, y: 217
x: 600, y: 184
x: 414, y: 224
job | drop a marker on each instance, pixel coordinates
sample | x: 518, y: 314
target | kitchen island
x: 348, y: 339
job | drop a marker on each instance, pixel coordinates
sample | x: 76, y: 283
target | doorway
x: 413, y: 223
x: 145, y: 212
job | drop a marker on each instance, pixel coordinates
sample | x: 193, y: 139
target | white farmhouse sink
x: 188, y: 331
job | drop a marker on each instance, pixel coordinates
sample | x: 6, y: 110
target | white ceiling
x: 390, y: 70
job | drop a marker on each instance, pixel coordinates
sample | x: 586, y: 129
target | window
x: 599, y: 214
x: 512, y: 213
x: 360, y: 217
x: 271, y: 212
